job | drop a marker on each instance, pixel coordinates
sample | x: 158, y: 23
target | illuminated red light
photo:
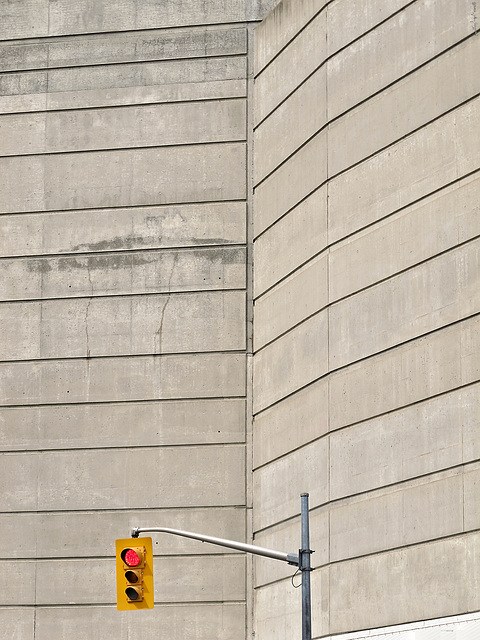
x: 131, y: 558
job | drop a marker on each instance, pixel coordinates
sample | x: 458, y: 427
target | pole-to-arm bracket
x: 291, y: 558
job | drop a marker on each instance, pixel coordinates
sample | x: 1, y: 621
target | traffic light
x: 134, y: 558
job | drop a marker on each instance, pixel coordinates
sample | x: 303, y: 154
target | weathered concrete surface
x: 116, y: 326
x: 291, y: 183
x: 214, y: 223
x: 280, y: 26
x: 293, y: 361
x: 440, y: 577
x: 395, y: 48
x: 134, y: 83
x: 366, y: 313
x: 63, y: 18
x: 124, y: 47
x: 292, y: 301
x: 291, y: 125
x: 124, y: 378
x: 48, y: 535
x: 290, y: 68
x: 101, y: 479
x: 77, y: 576
x: 297, y: 237
x: 277, y: 429
x: 400, y: 242
x: 128, y: 127
x: 207, y: 620
x: 407, y: 105
x: 125, y: 177
x: 121, y: 273
x: 430, y: 365
x: 413, y: 168
x: 110, y: 425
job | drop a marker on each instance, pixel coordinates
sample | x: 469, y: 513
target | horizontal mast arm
x: 291, y: 558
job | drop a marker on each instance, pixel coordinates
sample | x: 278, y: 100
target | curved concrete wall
x: 366, y: 327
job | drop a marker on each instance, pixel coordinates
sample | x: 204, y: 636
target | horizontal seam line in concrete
x: 203, y: 143
x: 126, y: 510
x: 168, y: 354
x: 52, y: 38
x: 326, y: 248
x: 368, y: 357
x: 115, y: 402
x: 372, y: 285
x: 121, y: 63
x: 387, y: 86
x: 373, y: 153
x: 130, y: 105
x: 127, y: 207
x: 149, y: 294
x: 224, y: 289
x: 399, y: 483
x: 384, y: 217
x: 190, y: 445
x: 187, y: 248
x: 314, y: 17
x: 345, y: 427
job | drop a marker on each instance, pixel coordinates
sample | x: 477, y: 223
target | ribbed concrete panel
x: 440, y: 577
x: 18, y: 621
x: 110, y: 425
x: 291, y: 423
x: 126, y: 177
x: 278, y: 485
x: 349, y: 19
x: 123, y: 47
x: 433, y: 295
x: 297, y: 237
x: 291, y: 125
x: 408, y: 104
x: 125, y: 84
x: 117, y: 326
x: 420, y: 369
x: 63, y: 18
x: 122, y: 273
x: 430, y: 159
x: 48, y: 535
x: 184, y: 580
x: 376, y: 253
x: 303, y: 356
x: 123, y: 379
x: 215, y: 223
x: 122, y: 128
x: 205, y: 620
x: 280, y: 26
x: 290, y: 68
x: 418, y: 440
x: 425, y: 509
x: 292, y: 301
x: 291, y: 183
x: 395, y: 48
x: 101, y: 479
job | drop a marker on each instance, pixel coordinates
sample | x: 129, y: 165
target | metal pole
x: 305, y: 566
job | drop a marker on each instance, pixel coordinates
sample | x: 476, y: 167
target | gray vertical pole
x: 305, y: 567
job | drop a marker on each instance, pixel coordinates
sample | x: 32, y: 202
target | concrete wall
x: 123, y: 228
x: 366, y: 318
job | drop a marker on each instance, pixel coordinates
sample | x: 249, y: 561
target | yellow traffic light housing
x: 134, y: 563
